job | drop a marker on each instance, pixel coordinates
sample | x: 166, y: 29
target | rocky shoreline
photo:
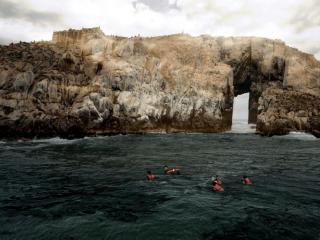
x: 283, y: 111
x: 86, y: 83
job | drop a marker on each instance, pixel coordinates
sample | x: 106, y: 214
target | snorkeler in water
x: 170, y: 171
x: 217, y: 187
x: 216, y: 179
x: 150, y: 176
x: 246, y: 180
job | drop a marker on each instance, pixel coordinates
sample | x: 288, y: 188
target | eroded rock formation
x: 282, y: 111
x: 84, y: 82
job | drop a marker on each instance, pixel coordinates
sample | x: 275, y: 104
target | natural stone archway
x: 248, y: 78
x: 84, y: 82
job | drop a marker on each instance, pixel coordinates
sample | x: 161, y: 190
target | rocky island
x: 84, y: 82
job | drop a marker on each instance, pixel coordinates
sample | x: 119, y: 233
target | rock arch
x: 248, y: 77
x: 168, y: 83
x: 277, y: 77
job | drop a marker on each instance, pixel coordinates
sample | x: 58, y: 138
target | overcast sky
x: 297, y: 22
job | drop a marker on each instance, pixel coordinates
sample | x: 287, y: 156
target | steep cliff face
x: 84, y: 82
x: 282, y: 111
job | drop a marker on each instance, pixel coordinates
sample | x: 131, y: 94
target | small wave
x: 2, y: 142
x: 55, y: 141
x: 299, y: 136
x: 89, y: 138
x: 25, y: 147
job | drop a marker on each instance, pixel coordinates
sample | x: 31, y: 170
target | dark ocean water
x: 94, y: 188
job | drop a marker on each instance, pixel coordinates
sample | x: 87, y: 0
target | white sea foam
x: 55, y: 141
x: 242, y: 126
x: 300, y: 136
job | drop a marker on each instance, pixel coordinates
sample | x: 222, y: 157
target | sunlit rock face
x: 84, y: 82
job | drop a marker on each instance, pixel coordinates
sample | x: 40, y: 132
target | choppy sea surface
x: 94, y: 188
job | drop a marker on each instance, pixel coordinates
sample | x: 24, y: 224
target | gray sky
x: 297, y: 22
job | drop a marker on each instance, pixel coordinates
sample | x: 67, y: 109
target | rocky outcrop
x: 282, y: 110
x: 74, y: 37
x: 84, y: 82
